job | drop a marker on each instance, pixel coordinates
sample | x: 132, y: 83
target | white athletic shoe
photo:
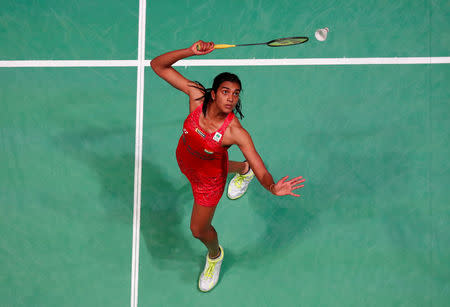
x: 210, y: 275
x: 239, y: 184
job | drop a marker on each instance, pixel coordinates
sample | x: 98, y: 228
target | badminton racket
x: 280, y: 42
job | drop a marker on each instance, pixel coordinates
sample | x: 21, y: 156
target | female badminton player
x: 210, y: 128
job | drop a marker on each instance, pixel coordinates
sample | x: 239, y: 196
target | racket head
x: 287, y: 41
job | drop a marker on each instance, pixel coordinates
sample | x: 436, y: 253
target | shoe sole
x: 233, y: 198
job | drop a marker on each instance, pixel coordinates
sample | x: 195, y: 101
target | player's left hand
x: 284, y: 187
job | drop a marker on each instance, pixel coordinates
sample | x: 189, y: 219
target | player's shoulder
x: 236, y: 131
x: 235, y: 124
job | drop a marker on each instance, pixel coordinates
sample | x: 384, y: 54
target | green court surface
x: 372, y: 141
x: 66, y: 186
x: 73, y: 30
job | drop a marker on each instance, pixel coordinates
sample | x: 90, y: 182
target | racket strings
x: 287, y: 41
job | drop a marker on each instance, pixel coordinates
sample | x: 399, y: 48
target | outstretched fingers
x: 286, y: 187
x: 296, y: 181
x: 294, y: 185
x: 299, y: 178
x: 284, y: 179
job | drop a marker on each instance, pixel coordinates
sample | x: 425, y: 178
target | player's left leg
x: 203, y: 230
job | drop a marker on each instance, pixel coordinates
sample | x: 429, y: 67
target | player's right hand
x: 201, y: 47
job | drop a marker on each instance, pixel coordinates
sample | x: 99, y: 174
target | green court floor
x: 67, y: 139
x: 372, y: 141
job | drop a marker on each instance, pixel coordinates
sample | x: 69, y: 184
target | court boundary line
x: 232, y: 62
x: 141, y: 63
x: 315, y: 61
x: 138, y: 153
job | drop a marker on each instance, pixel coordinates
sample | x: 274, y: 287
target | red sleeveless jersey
x: 203, y: 160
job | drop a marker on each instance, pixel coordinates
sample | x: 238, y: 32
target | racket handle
x: 223, y: 46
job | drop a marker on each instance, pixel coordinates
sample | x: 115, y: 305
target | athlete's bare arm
x: 239, y: 136
x: 162, y: 66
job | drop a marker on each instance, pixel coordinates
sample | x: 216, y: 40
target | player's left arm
x: 245, y: 143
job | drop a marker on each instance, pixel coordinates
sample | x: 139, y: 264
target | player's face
x: 227, y: 96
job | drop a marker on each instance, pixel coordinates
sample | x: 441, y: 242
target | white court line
x: 74, y: 63
x: 138, y: 154
x: 234, y: 62
x: 316, y: 61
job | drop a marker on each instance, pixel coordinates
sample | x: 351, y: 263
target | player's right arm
x: 162, y: 66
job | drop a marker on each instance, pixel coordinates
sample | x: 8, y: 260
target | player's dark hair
x: 218, y: 80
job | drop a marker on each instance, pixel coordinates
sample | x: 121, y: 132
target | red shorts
x: 207, y: 174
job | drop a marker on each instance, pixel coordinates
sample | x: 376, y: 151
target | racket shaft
x: 223, y: 46
x: 252, y: 44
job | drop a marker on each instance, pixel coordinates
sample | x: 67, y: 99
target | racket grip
x: 223, y: 46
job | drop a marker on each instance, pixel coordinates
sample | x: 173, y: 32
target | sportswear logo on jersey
x: 200, y: 132
x: 208, y: 152
x: 217, y: 137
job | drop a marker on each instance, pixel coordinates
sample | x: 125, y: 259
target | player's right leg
x: 239, y: 184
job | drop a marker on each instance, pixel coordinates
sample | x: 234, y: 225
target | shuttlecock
x: 321, y: 34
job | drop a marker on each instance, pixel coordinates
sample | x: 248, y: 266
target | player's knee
x: 197, y: 232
